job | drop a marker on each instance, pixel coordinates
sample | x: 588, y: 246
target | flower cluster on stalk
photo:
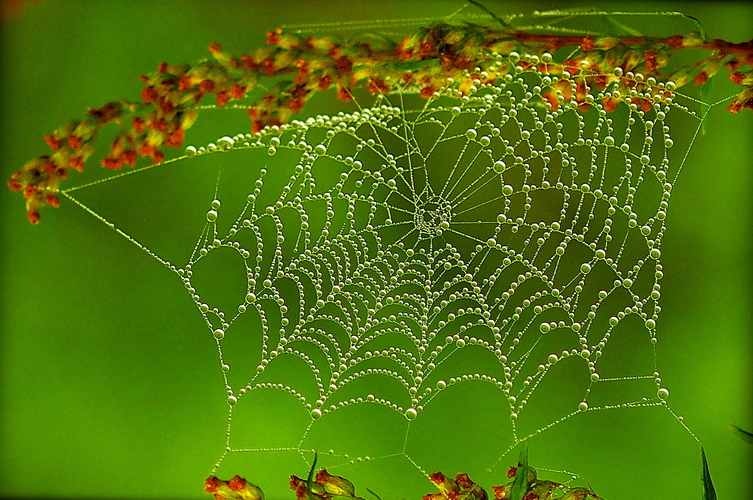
x: 429, y: 62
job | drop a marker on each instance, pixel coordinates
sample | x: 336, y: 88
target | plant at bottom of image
x: 525, y: 484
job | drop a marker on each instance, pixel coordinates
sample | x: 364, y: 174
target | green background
x: 110, y: 385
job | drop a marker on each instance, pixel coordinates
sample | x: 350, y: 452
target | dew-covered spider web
x: 421, y: 284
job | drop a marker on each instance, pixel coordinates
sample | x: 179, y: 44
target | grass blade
x: 311, y: 477
x: 709, y: 493
x: 520, y: 483
x: 744, y: 435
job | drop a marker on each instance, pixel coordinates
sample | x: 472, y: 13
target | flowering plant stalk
x: 430, y: 61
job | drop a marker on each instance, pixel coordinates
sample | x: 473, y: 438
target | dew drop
x: 507, y: 190
x: 231, y: 400
x: 662, y: 393
x: 582, y: 406
x: 225, y: 143
x: 316, y: 413
x: 441, y: 384
x: 190, y: 151
x: 411, y: 413
x: 219, y: 334
x: 585, y: 268
x: 211, y: 215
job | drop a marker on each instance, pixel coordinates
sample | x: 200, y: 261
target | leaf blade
x: 744, y: 435
x: 709, y: 493
x: 520, y: 483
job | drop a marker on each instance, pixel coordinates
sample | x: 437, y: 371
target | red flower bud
x: 175, y: 138
x: 344, y: 94
x: 335, y: 485
x: 222, y: 98
x: 273, y: 37
x: 146, y: 150
x: 33, y: 216
x: 165, y: 105
x: 296, y: 105
x: 129, y: 157
x: 249, y: 63
x: 14, y: 186
x: 736, y: 77
x: 238, y: 91
x: 550, y: 96
x: 651, y: 62
x: 77, y: 163
x: 324, y: 83
x: 343, y: 65
x: 149, y: 94
x: 138, y: 123
x: 269, y: 66
x: 378, y: 86
x: 427, y: 92
x: 74, y: 142
x: 184, y: 84
x: 675, y: 42
x: 52, y: 200
x: 112, y: 163
x: 53, y: 142
x: 206, y: 86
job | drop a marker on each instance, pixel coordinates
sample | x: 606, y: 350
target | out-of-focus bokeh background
x: 110, y: 381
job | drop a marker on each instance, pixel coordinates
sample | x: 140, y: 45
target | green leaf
x: 744, y: 435
x: 708, y: 487
x: 310, y: 478
x: 520, y: 483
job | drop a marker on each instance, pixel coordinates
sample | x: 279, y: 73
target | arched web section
x: 398, y: 251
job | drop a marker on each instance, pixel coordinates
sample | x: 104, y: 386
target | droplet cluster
x: 492, y: 219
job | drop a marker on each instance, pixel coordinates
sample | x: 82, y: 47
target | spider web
x: 420, y: 285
